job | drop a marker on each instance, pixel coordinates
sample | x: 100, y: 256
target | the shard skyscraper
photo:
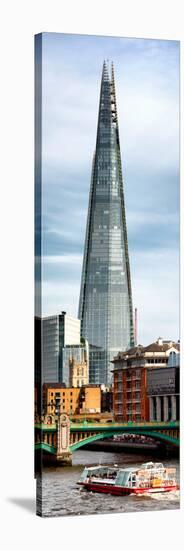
x: 105, y: 305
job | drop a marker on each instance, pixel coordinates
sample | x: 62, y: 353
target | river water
x: 61, y: 496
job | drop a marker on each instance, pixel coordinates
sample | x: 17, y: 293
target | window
x: 63, y: 392
x: 71, y: 393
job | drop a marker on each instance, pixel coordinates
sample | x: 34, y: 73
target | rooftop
x: 140, y: 351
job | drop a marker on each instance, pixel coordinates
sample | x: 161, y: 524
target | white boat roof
x: 129, y: 469
x: 144, y: 466
x: 100, y: 466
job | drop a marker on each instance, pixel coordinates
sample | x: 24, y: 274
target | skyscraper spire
x: 105, y: 305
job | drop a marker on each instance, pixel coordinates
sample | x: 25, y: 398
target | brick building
x: 131, y: 401
x: 72, y: 400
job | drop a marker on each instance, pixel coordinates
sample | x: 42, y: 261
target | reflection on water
x: 63, y: 497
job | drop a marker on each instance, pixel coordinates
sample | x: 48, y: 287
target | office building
x: 105, y: 305
x: 163, y: 390
x: 57, y: 331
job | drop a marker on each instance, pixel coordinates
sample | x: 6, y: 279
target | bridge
x: 60, y: 437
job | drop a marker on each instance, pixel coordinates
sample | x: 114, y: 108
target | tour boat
x: 148, y: 478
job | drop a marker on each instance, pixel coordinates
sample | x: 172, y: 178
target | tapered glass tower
x: 105, y: 305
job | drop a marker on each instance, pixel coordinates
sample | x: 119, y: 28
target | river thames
x: 61, y: 496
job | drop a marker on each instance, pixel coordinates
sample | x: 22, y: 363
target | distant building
x: 57, y: 331
x: 76, y: 364
x: 131, y: 401
x: 106, y: 398
x: 90, y: 399
x: 105, y: 306
x: 37, y: 366
x: 72, y: 400
x: 163, y: 391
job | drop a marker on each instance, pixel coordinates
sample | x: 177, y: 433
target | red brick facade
x: 130, y: 401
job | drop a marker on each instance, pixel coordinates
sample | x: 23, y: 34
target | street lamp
x: 58, y: 407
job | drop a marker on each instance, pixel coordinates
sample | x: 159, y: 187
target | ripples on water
x: 63, y: 497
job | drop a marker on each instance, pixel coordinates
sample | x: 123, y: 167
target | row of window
x: 63, y: 408
x: 63, y: 401
x: 58, y: 394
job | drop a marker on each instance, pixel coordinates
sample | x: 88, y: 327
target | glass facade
x: 105, y: 305
x: 57, y: 331
x: 50, y: 339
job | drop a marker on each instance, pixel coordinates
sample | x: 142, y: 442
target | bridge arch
x: 45, y: 447
x: 159, y: 436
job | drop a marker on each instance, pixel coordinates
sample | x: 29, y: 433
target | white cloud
x: 70, y: 259
x: 60, y: 297
x: 148, y: 107
x: 155, y: 282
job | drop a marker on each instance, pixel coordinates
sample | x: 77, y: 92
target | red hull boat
x: 148, y: 478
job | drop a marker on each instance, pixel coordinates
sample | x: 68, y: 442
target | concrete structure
x: 131, y: 402
x: 56, y: 441
x: 163, y: 393
x: 72, y: 400
x: 78, y: 373
x: 105, y: 306
x: 76, y: 364
x: 57, y: 331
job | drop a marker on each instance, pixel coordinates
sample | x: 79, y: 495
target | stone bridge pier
x: 63, y: 453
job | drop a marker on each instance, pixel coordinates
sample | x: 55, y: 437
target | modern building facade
x: 131, y: 371
x: 163, y: 392
x: 57, y: 332
x: 105, y: 305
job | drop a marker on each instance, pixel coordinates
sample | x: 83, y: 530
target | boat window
x: 84, y: 474
x: 133, y: 479
x: 122, y: 478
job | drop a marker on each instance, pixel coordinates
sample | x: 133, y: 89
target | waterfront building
x: 131, y: 401
x: 105, y: 305
x: 90, y: 399
x: 76, y: 364
x: 57, y: 331
x: 86, y: 399
x: 163, y: 392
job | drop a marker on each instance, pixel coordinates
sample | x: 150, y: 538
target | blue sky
x: 147, y: 90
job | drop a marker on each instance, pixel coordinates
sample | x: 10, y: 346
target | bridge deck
x: 115, y: 426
